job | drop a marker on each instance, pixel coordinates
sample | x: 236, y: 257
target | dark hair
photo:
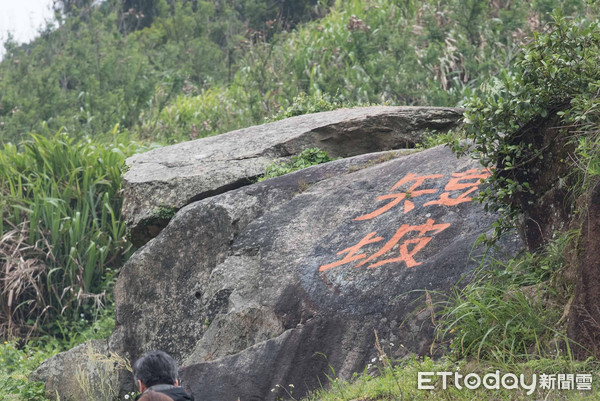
x: 154, y: 396
x: 155, y: 367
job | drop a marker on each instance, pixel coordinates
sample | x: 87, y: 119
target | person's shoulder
x: 178, y: 394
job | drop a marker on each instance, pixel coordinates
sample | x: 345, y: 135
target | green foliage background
x: 178, y: 70
x: 115, y: 78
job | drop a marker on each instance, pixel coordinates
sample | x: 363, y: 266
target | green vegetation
x: 556, y: 76
x: 303, y: 104
x: 399, y: 382
x: 307, y: 158
x: 122, y: 62
x: 61, y: 234
x: 18, y: 361
x: 184, y: 69
x: 165, y: 212
x: 75, y: 102
x: 510, y: 313
x: 450, y: 138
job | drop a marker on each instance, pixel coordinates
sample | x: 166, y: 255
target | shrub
x: 307, y: 158
x: 304, y: 104
x: 15, y: 365
x: 214, y: 111
x: 557, y: 75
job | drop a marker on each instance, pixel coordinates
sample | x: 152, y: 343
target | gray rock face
x: 276, y: 282
x: 163, y: 180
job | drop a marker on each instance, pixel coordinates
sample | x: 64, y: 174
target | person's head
x: 154, y: 396
x: 155, y: 367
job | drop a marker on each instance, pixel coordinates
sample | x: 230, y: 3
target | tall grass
x: 61, y: 235
x: 511, y: 314
x: 400, y: 382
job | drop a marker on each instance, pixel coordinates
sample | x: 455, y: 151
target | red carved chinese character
x: 406, y: 255
x: 399, y: 197
x: 455, y: 184
x: 351, y: 252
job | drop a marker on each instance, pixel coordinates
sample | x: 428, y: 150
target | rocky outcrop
x: 86, y: 372
x: 280, y: 281
x: 164, y: 180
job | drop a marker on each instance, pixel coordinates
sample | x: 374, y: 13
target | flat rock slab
x: 166, y: 179
x: 280, y: 281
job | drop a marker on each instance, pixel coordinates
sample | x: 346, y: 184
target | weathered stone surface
x: 167, y: 179
x: 291, y: 358
x: 86, y: 372
x: 276, y: 282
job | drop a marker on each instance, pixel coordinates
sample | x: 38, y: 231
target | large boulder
x: 282, y: 281
x: 164, y: 180
x: 86, y: 372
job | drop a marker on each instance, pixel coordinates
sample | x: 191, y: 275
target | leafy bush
x: 361, y: 52
x: 429, y: 53
x: 109, y: 62
x: 556, y: 75
x: 61, y: 234
x: 304, y: 104
x: 16, y: 363
x: 212, y: 112
x: 308, y: 157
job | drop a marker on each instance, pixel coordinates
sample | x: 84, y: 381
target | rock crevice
x: 175, y: 176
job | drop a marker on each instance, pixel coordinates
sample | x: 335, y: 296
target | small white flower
x: 291, y: 386
x: 391, y: 344
x: 374, y: 360
x: 126, y: 396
